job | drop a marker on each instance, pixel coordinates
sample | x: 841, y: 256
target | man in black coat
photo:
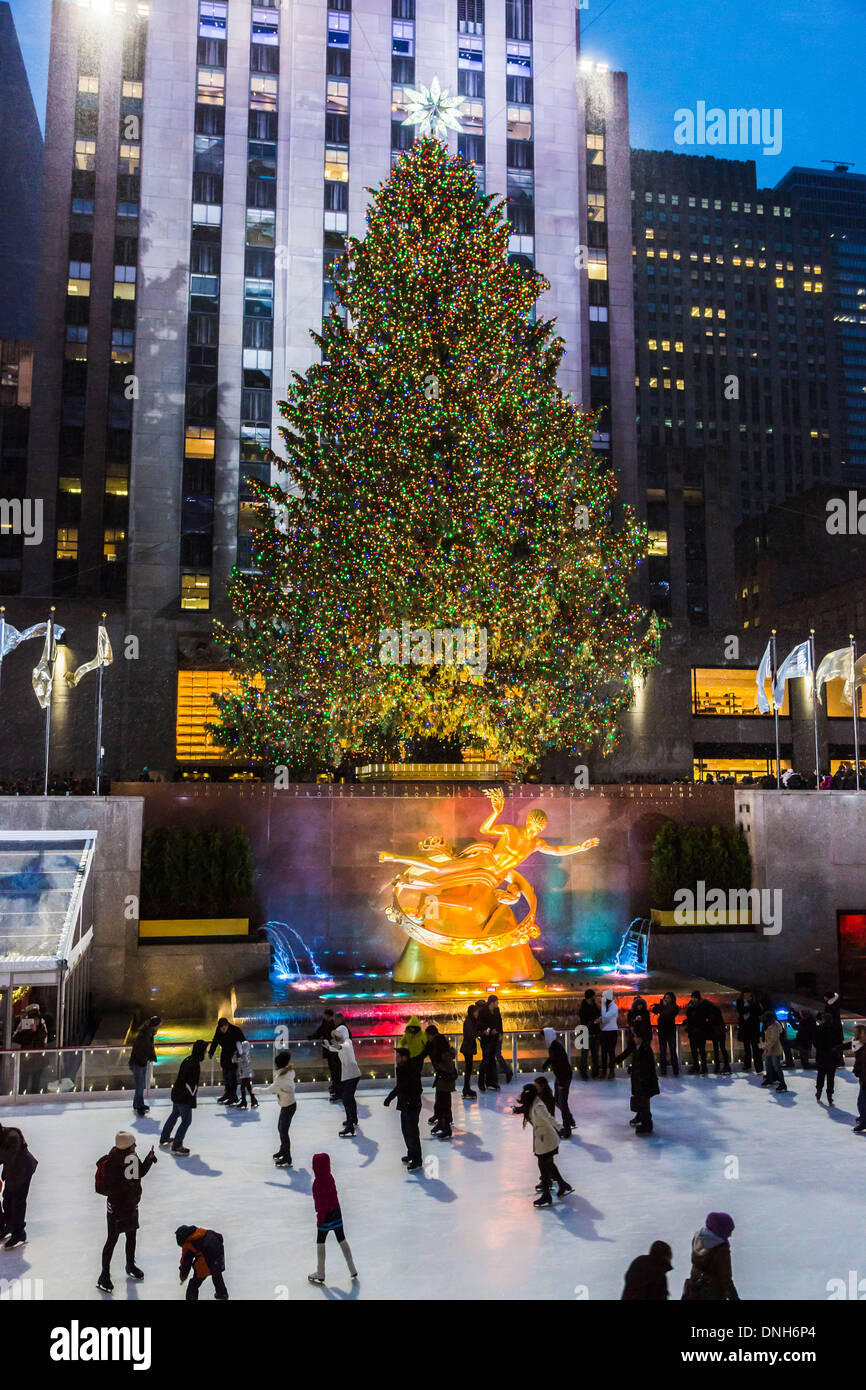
x: 557, y: 1061
x: 588, y: 1016
x: 407, y: 1089
x: 697, y: 1027
x: 122, y: 1174
x: 18, y: 1166
x: 142, y: 1054
x: 323, y: 1032
x: 647, y: 1276
x: 749, y: 1030
x: 487, y: 1077
x: 644, y: 1078
x: 498, y: 1059
x: 226, y: 1038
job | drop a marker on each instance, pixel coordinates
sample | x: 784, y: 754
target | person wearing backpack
x: 183, y: 1100
x: 203, y: 1256
x: 118, y: 1178
x: 18, y: 1165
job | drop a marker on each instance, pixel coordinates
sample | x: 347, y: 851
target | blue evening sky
x: 801, y: 56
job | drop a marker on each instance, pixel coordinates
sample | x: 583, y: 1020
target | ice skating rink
x: 790, y: 1173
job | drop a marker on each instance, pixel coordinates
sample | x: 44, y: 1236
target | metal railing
x: 75, y: 1072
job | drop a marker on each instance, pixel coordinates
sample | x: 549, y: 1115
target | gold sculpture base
x: 420, y: 965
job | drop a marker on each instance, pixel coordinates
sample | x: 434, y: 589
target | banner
x: 798, y: 662
x: 838, y: 665
x: 43, y: 673
x: 765, y: 674
x: 12, y: 638
x: 104, y: 657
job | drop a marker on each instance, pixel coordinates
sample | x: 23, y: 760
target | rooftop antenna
x: 840, y: 166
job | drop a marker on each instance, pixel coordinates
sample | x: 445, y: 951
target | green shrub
x: 683, y: 855
x: 665, y: 866
x: 196, y: 873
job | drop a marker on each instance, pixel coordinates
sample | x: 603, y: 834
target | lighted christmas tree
x: 437, y: 480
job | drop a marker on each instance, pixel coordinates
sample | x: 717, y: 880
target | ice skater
x: 118, y: 1178
x: 467, y: 1050
x: 558, y: 1063
x: 18, y: 1166
x: 350, y: 1074
x: 609, y: 1026
x: 545, y: 1142
x: 329, y: 1218
x: 407, y: 1091
x: 283, y: 1086
x: 644, y: 1078
x: 183, y: 1100
x: 666, y: 1011
x: 226, y: 1037
x: 711, y: 1278
x: 646, y: 1278
x: 202, y: 1256
x: 243, y: 1060
x: 143, y: 1053
x: 323, y: 1035
x: 828, y: 1055
x: 444, y: 1083
x: 772, y: 1043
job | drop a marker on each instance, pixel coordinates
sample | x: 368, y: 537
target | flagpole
x: 48, y: 706
x: 856, y: 714
x: 99, y: 715
x: 2, y: 638
x: 814, y: 703
x: 776, y: 712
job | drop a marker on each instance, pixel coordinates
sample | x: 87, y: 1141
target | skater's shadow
x: 786, y: 1100
x: 197, y: 1166
x: 593, y: 1151
x: 579, y: 1216
x: 342, y: 1295
x: 469, y: 1146
x: 368, y: 1148
x: 299, y: 1180
x: 434, y: 1187
x: 242, y: 1117
x: 839, y: 1117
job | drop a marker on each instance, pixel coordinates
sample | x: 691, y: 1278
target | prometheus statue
x: 457, y: 908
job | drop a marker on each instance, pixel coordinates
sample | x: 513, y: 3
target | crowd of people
x: 762, y: 1032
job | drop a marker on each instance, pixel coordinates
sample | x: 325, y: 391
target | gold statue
x: 456, y: 908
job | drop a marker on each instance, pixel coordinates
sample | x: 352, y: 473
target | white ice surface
x: 471, y: 1231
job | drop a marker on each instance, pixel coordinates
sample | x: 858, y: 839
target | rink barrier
x: 102, y: 1071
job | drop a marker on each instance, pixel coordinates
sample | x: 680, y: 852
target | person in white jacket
x: 350, y: 1074
x: 283, y: 1087
x: 545, y: 1143
x: 609, y: 1024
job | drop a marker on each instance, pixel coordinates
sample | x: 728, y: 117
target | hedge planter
x: 673, y: 920
x: 180, y: 929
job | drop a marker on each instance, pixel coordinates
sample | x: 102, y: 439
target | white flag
x: 104, y: 657
x: 12, y: 638
x: 765, y: 673
x: 798, y: 662
x: 838, y: 665
x: 43, y: 673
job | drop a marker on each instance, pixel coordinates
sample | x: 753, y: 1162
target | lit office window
x: 88, y: 84
x: 67, y: 543
x: 730, y: 691
x: 85, y: 154
x: 211, y: 87
x: 195, y: 589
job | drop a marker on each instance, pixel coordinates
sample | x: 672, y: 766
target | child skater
x: 283, y: 1086
x: 244, y: 1064
x: 203, y: 1255
x: 328, y: 1217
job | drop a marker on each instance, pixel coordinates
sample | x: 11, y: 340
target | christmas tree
x: 441, y: 500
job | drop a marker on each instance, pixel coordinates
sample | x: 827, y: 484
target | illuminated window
x: 402, y: 38
x: 211, y: 87
x: 597, y: 266
x: 657, y: 543
x: 130, y: 159
x: 117, y: 485
x: 200, y: 442
x: 78, y: 286
x: 265, y: 27
x: 195, y: 709
x: 69, y: 484
x: 85, y: 154
x: 520, y: 122
x: 681, y: 385
x: 836, y: 708
x: 113, y: 547
x: 135, y: 90
x: 67, y: 543
x: 195, y: 589
x: 472, y: 116
x: 336, y: 163
x: 261, y: 227
x: 738, y: 768
x: 594, y: 149
x: 212, y: 19
x: 124, y: 290
x: 338, y: 95
x: 730, y: 691
x: 88, y: 84
x: 652, y: 344
x: 263, y: 93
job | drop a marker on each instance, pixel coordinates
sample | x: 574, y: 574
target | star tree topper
x: 433, y: 110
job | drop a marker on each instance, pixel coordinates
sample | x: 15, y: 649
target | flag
x: 104, y: 657
x: 838, y: 665
x: 765, y: 673
x: 43, y: 673
x: 12, y: 638
x: 798, y: 662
